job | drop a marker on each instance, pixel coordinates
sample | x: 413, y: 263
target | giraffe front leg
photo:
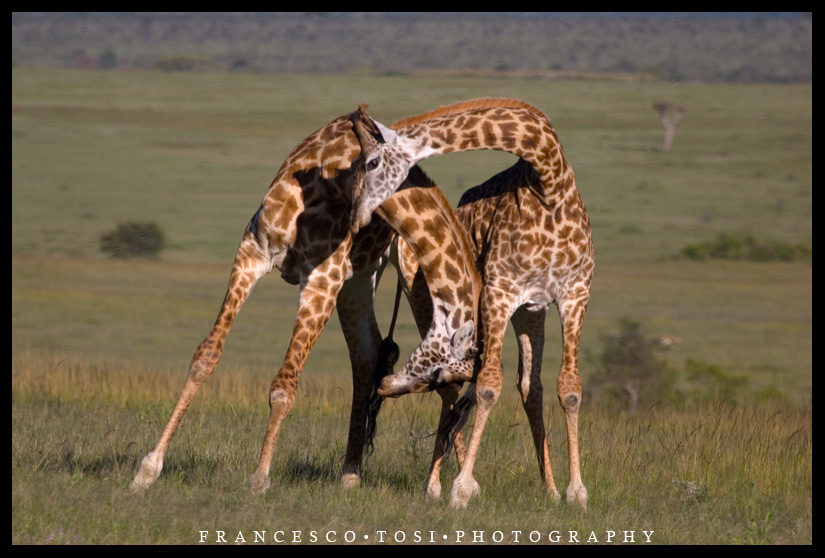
x: 281, y: 398
x: 495, y: 303
x: 315, y: 306
x: 487, y: 391
x: 152, y: 465
x: 203, y: 364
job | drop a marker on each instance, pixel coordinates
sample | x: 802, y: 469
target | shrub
x: 185, y: 63
x: 710, y: 381
x: 107, y: 59
x: 728, y: 246
x: 133, y: 240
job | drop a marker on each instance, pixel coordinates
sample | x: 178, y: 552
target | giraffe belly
x: 537, y: 291
x: 536, y: 306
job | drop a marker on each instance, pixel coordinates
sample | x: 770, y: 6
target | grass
x: 711, y: 473
x: 100, y: 347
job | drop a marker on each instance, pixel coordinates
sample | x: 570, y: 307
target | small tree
x: 107, y: 59
x: 133, y: 240
x: 669, y: 115
x: 629, y: 367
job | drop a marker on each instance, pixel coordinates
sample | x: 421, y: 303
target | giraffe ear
x: 462, y: 345
x: 387, y: 135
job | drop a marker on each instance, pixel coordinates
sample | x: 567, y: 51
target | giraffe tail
x: 388, y: 353
x: 458, y: 416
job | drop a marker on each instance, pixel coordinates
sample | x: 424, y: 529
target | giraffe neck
x: 422, y: 216
x: 506, y: 125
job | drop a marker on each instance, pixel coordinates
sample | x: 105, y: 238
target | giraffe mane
x: 464, y: 106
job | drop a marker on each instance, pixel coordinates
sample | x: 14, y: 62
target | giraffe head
x: 386, y: 159
x: 438, y: 360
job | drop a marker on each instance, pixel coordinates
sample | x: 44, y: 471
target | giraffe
x: 531, y: 236
x: 302, y: 228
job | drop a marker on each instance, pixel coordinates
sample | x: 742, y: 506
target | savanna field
x: 719, y: 453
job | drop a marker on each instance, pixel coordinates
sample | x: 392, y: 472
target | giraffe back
x: 522, y: 248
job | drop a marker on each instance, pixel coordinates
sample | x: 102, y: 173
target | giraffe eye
x: 372, y: 164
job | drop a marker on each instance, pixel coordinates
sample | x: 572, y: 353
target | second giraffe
x: 533, y: 246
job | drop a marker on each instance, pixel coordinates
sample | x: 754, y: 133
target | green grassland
x: 100, y: 347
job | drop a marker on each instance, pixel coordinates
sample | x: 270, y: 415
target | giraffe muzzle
x: 396, y: 385
x: 359, y: 218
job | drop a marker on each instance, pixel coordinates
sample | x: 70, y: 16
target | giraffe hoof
x: 433, y: 490
x: 350, y: 480
x: 462, y: 492
x: 577, y: 495
x: 147, y: 474
x: 139, y: 484
x: 258, y: 484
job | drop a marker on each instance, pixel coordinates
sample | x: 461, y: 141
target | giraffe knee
x: 570, y: 402
x: 205, y: 359
x: 280, y: 397
x: 199, y: 371
x: 486, y: 396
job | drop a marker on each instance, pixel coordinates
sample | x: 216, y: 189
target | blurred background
x: 726, y: 47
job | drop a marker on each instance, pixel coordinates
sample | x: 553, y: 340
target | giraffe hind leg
x: 572, y: 312
x: 366, y: 350
x: 529, y: 330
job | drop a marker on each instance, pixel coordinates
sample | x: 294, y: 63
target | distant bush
x: 107, y: 59
x: 728, y: 246
x: 185, y: 63
x: 630, y: 369
x: 709, y: 380
x: 133, y: 240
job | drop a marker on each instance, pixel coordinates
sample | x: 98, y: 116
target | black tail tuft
x: 388, y: 353
x: 458, y: 417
